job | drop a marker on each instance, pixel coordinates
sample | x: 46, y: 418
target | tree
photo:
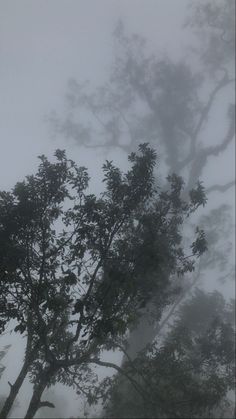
x: 78, y: 269
x: 3, y: 352
x: 167, y: 103
x: 187, y: 374
x: 170, y: 104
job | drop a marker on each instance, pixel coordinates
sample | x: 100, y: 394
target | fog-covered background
x: 43, y: 44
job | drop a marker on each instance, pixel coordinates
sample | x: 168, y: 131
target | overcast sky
x: 42, y: 44
x: 45, y: 42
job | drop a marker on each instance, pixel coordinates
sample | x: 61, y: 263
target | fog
x: 45, y: 44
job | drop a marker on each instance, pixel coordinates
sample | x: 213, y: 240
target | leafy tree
x: 189, y: 373
x: 147, y: 99
x: 85, y: 266
x: 169, y: 104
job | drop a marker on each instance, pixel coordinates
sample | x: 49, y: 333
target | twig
x: 220, y: 188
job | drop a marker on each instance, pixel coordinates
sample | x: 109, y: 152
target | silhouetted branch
x: 203, y: 117
x: 46, y: 404
x: 137, y: 387
x: 205, y: 112
x: 176, y: 304
x: 216, y: 150
x: 220, y: 188
x: 131, y: 363
x: 200, y: 159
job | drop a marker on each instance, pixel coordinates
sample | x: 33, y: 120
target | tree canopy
x: 76, y: 269
x: 81, y: 273
x: 195, y: 365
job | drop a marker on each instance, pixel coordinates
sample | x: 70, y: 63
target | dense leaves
x: 77, y: 271
x: 189, y: 373
x: 85, y: 266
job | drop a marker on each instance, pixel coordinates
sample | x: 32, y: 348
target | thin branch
x: 130, y: 363
x: 216, y: 150
x: 80, y: 321
x: 159, y: 327
x: 46, y: 404
x: 200, y: 159
x: 137, y: 387
x: 203, y: 117
x: 220, y: 188
x: 92, y: 281
x: 205, y: 112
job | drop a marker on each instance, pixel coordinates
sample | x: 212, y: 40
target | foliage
x: 85, y: 265
x: 79, y: 270
x: 163, y: 101
x: 188, y: 374
x: 214, y: 23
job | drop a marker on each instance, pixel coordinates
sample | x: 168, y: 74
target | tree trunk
x: 30, y: 354
x: 146, y: 331
x: 14, y: 390
x: 143, y: 334
x: 35, y: 402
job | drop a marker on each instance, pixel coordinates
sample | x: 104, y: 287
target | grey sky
x: 42, y: 44
x: 45, y: 42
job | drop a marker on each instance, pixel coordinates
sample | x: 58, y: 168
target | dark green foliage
x: 168, y: 103
x: 84, y: 266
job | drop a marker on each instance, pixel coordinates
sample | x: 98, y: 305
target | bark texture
x: 35, y: 402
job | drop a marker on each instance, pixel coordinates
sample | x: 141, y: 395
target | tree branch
x: 220, y: 188
x: 200, y: 159
x: 46, y: 404
x: 131, y: 363
x: 137, y: 387
x: 205, y: 112
x: 216, y: 150
x: 203, y: 117
x: 160, y: 326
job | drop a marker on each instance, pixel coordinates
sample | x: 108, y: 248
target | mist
x: 103, y: 81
